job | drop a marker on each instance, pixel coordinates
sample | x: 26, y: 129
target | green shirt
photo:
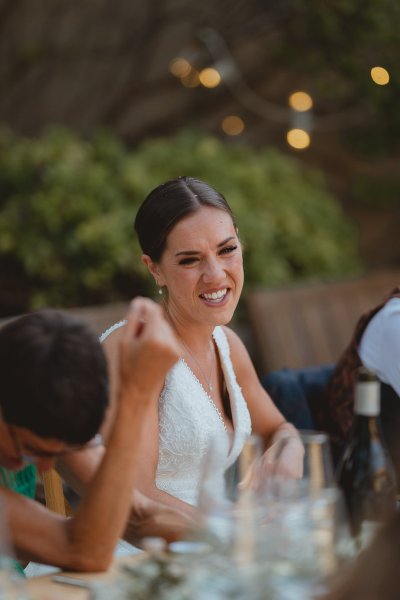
x: 23, y: 482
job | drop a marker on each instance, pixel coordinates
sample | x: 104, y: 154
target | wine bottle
x: 365, y: 471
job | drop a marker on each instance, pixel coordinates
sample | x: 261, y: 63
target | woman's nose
x: 213, y: 271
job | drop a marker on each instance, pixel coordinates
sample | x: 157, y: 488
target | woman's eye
x: 187, y: 261
x: 228, y: 249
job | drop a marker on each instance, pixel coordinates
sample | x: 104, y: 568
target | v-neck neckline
x: 229, y: 431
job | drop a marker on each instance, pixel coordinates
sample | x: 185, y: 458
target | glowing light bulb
x: 232, y: 125
x: 180, y: 67
x: 298, y: 139
x: 300, y: 101
x: 380, y: 76
x: 210, y: 77
x: 191, y: 80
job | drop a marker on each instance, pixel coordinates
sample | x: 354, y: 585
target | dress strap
x: 111, y: 329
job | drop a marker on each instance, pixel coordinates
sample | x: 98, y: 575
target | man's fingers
x: 141, y: 314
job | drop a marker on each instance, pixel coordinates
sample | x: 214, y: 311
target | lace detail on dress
x: 206, y: 393
x: 189, y: 421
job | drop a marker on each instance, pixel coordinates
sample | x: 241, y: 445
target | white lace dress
x: 189, y: 422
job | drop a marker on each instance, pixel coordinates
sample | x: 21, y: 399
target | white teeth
x: 215, y: 295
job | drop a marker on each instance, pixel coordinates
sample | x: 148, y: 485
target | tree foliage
x: 67, y: 205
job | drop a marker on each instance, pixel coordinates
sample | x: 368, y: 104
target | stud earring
x: 160, y: 290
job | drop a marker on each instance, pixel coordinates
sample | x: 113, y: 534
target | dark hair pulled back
x: 168, y: 204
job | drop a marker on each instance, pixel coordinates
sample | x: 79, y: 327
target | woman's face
x: 202, y: 268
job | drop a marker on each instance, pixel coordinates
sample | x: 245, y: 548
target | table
x: 43, y: 588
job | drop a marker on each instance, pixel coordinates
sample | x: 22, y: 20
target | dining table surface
x: 45, y: 587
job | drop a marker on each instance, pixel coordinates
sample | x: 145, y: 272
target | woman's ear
x: 153, y: 268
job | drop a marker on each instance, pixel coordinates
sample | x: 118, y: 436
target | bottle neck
x: 367, y: 401
x: 365, y: 427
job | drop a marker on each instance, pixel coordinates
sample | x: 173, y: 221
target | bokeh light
x: 298, y: 139
x: 380, y: 75
x: 210, y: 77
x: 191, y: 80
x: 180, y: 67
x: 232, y: 125
x: 300, y: 101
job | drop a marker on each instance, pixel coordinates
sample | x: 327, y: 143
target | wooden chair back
x: 53, y: 492
x: 311, y: 324
x: 55, y: 499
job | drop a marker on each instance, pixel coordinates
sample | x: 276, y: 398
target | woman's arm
x: 281, y: 439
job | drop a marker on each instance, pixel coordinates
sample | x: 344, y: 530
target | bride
x: 192, y: 249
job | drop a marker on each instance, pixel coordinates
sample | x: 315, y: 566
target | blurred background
x: 290, y: 108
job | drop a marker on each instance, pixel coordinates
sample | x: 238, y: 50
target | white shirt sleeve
x: 379, y: 349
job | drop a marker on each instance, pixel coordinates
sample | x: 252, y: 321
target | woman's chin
x: 221, y: 315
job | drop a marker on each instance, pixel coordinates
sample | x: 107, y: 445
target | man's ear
x: 153, y: 268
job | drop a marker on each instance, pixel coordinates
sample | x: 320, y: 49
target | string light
x: 298, y: 116
x: 300, y: 101
x: 180, y: 67
x: 191, y: 80
x: 253, y: 102
x: 380, y: 75
x: 210, y: 77
x: 232, y: 125
x: 298, y: 139
x: 300, y: 120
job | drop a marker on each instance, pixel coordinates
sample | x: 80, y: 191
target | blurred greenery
x: 68, y: 204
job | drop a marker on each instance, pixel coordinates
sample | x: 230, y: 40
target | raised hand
x: 148, y: 348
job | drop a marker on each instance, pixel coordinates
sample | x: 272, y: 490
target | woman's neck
x: 195, y: 335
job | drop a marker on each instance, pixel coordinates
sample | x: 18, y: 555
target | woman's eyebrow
x: 192, y: 252
x: 187, y: 252
x: 228, y: 239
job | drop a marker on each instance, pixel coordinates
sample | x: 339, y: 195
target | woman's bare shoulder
x: 233, y: 338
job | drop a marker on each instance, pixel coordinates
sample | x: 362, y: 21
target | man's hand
x: 147, y: 350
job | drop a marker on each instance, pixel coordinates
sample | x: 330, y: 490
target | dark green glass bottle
x: 365, y: 472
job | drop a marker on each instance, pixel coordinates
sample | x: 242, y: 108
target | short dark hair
x: 167, y: 204
x: 53, y: 376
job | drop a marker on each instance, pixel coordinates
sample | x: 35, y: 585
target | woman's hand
x: 150, y: 518
x: 284, y: 458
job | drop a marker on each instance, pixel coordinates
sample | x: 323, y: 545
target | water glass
x: 306, y: 534
x: 229, y: 504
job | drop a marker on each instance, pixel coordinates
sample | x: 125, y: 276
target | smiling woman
x: 191, y: 247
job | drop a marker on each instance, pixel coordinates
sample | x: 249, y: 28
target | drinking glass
x: 227, y: 495
x: 306, y: 534
x: 229, y: 505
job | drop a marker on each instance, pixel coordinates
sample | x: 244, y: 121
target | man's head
x: 53, y: 382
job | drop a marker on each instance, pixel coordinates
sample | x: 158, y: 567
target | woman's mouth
x: 216, y: 297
